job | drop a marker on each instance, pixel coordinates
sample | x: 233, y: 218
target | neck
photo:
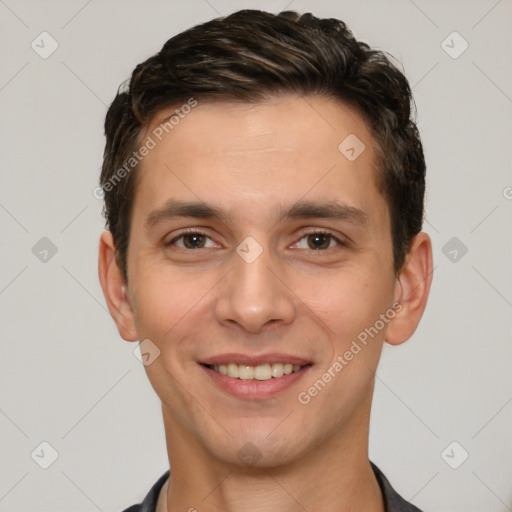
x: 335, y: 475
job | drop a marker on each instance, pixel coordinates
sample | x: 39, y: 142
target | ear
x: 411, y: 290
x: 114, y: 288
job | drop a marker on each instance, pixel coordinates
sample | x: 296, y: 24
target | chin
x: 253, y: 447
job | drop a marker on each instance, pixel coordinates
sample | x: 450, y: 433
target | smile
x: 255, y: 377
x: 261, y: 372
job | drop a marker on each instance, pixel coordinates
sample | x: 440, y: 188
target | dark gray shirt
x: 393, y: 502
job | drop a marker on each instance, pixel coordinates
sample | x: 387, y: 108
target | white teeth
x: 233, y: 370
x: 260, y: 372
x: 245, y: 372
x: 263, y: 372
x: 277, y: 370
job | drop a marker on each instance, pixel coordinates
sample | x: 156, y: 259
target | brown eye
x: 318, y: 241
x: 191, y: 240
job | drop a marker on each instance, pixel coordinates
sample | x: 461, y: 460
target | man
x: 264, y: 187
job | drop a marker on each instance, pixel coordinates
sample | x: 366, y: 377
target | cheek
x: 168, y: 306
x: 165, y: 300
x: 347, y: 302
x: 173, y: 307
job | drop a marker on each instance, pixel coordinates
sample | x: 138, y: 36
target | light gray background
x: 67, y: 378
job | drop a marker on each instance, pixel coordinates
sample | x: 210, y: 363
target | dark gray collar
x: 393, y: 502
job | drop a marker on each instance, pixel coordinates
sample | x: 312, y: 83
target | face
x: 258, y: 248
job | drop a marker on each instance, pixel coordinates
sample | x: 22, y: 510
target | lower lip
x: 255, y: 389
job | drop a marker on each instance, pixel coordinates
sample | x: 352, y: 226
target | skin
x: 251, y: 160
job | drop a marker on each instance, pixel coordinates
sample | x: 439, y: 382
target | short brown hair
x: 248, y: 56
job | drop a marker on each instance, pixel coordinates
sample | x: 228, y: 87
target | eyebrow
x: 174, y: 208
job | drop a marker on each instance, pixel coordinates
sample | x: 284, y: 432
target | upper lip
x: 254, y: 360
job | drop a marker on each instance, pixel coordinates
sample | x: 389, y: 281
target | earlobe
x: 412, y: 290
x: 114, y: 288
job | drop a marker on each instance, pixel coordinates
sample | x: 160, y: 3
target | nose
x: 254, y: 295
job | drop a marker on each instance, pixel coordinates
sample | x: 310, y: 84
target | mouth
x: 255, y: 377
x: 261, y: 372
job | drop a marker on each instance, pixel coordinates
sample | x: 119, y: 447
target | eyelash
x: 192, y: 231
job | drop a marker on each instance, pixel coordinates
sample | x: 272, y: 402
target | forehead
x: 285, y: 121
x: 245, y: 156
